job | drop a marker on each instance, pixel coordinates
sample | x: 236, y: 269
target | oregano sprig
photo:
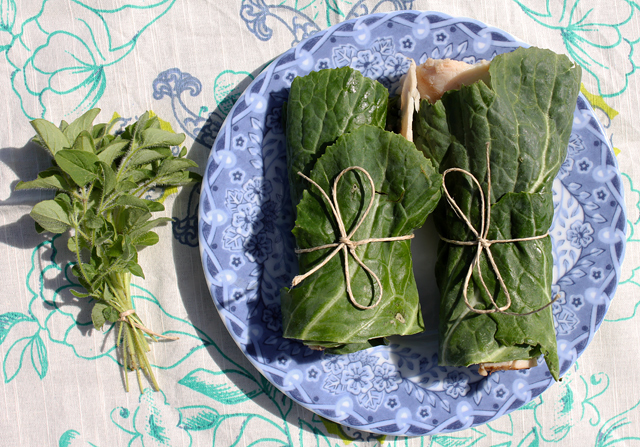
x: 100, y: 178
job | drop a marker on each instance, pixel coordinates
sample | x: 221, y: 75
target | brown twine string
x: 123, y: 318
x: 345, y: 244
x: 484, y: 244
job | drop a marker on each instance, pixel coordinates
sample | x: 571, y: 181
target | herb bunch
x: 100, y: 179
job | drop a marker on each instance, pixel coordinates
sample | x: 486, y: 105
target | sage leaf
x: 48, y: 179
x: 94, y: 222
x: 142, y: 228
x: 82, y: 123
x: 113, y: 150
x: 136, y: 270
x: 407, y: 188
x: 71, y: 244
x: 51, y: 215
x: 154, y: 206
x: 81, y: 166
x: 147, y: 239
x: 79, y: 294
x: 176, y: 164
x: 181, y: 178
x: 140, y: 175
x: 84, y: 142
x: 126, y: 185
x: 157, y: 137
x: 97, y: 315
x: 108, y: 178
x: 50, y: 136
x: 111, y: 314
x: 132, y: 201
x: 145, y: 156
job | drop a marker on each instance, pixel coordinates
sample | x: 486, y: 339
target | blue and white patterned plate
x: 247, y: 248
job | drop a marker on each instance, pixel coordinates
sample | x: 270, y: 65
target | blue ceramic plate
x: 247, y: 248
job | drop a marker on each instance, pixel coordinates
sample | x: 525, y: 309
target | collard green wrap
x: 343, y: 107
x: 407, y: 188
x: 526, y: 116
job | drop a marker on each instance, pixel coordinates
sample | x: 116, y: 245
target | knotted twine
x: 484, y: 244
x: 345, y: 244
x: 123, y: 318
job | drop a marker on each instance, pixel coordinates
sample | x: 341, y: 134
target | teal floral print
x: 58, y: 315
x: 70, y: 59
x: 603, y: 44
x: 153, y: 422
x: 231, y: 396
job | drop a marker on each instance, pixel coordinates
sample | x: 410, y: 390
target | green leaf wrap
x: 407, y: 188
x: 322, y: 106
x: 527, y: 116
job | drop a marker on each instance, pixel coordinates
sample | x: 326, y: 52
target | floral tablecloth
x: 189, y: 61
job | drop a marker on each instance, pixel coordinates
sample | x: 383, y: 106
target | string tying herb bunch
x: 100, y: 179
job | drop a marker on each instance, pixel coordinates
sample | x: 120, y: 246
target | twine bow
x: 484, y: 244
x: 123, y: 318
x: 345, y: 244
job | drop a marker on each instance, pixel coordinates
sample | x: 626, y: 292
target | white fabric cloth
x: 60, y: 384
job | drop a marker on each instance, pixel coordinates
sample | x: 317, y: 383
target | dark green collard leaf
x: 526, y: 115
x: 431, y: 131
x: 407, y: 189
x: 341, y: 349
x: 322, y: 106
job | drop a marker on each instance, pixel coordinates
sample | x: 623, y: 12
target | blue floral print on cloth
x: 247, y: 248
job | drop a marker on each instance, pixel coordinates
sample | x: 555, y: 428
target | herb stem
x: 78, y: 256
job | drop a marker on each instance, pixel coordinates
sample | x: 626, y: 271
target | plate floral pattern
x: 245, y: 221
